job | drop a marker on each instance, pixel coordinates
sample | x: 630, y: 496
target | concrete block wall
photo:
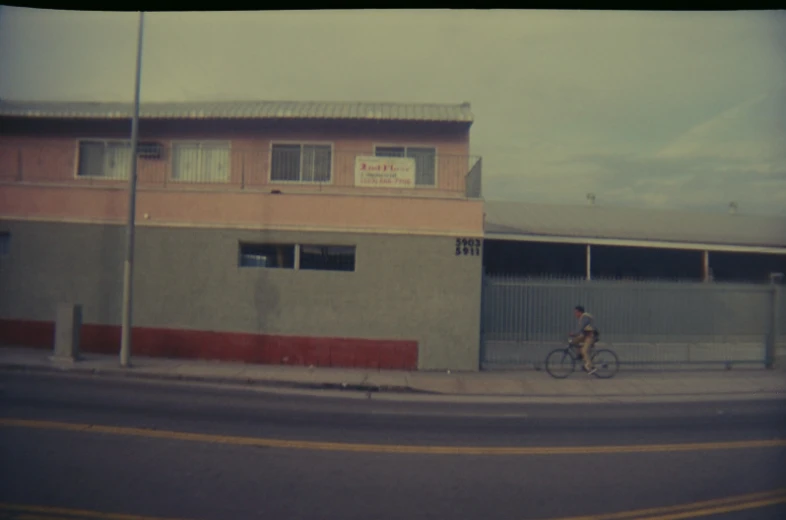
x: 408, y: 288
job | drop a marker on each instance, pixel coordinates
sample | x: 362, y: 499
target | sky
x: 662, y: 110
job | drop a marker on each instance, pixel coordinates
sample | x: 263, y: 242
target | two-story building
x: 326, y: 234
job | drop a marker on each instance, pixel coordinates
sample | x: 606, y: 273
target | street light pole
x: 128, y: 268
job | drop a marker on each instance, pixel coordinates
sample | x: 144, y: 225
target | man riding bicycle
x: 585, y: 335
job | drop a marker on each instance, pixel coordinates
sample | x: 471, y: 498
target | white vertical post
x: 705, y: 266
x: 776, y: 279
x: 588, y: 265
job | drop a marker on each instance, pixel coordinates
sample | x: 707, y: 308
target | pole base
x: 64, y: 360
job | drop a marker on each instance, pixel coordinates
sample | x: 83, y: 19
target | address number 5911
x: 468, y: 246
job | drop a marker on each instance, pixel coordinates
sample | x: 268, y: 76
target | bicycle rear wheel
x: 605, y: 363
x: 560, y: 364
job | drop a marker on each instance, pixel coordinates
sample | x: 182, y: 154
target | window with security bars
x: 281, y: 256
x: 106, y: 159
x: 301, y: 163
x: 425, y: 161
x: 200, y: 161
x: 327, y: 258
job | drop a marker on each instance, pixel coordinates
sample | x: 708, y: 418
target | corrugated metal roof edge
x: 652, y: 243
x: 464, y: 104
x: 189, y: 118
x: 489, y: 205
x: 467, y: 120
x: 507, y: 231
x: 779, y: 242
x: 15, y: 108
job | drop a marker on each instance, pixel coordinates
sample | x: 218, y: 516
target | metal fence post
x: 243, y: 170
x: 772, y: 340
x: 482, y: 328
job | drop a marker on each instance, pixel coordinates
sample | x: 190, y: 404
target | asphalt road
x: 186, y: 451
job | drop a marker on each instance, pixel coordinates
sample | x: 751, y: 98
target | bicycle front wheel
x: 560, y: 364
x: 605, y: 363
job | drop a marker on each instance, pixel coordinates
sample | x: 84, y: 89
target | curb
x: 404, y: 392
x: 271, y: 383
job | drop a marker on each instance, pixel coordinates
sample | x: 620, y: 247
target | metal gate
x: 649, y: 324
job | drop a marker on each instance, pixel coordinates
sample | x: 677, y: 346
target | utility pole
x: 128, y: 268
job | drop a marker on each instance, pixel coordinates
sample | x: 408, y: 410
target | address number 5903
x: 468, y: 247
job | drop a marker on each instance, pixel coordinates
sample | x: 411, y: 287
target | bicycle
x: 561, y: 362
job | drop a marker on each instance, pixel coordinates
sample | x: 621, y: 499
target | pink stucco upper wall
x: 245, y: 209
x: 48, y: 153
x: 38, y: 177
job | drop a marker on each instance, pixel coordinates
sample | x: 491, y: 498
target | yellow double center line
x: 388, y: 448
x: 29, y: 512
x: 679, y: 512
x: 696, y: 509
x: 684, y: 511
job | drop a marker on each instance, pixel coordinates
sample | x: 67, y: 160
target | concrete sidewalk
x: 529, y: 386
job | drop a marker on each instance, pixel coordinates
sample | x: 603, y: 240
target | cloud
x: 754, y: 130
x: 667, y: 183
x: 646, y: 108
x: 735, y: 155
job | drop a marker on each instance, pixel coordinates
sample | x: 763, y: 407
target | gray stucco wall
x: 404, y: 287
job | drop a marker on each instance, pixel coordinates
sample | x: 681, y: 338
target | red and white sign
x: 385, y: 172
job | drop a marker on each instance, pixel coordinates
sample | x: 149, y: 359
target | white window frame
x: 199, y: 142
x: 103, y: 141
x: 416, y: 145
x: 295, y: 249
x: 297, y: 256
x: 301, y: 144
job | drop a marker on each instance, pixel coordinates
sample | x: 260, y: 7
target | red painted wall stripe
x: 226, y: 346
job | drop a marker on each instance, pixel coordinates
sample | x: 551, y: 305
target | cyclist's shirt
x: 586, y: 324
